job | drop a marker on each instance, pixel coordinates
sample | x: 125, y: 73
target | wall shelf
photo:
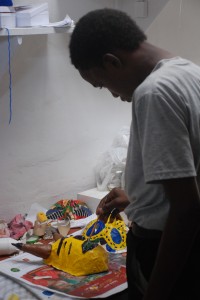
x: 35, y: 30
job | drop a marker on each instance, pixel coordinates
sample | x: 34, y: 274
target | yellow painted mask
x: 67, y: 255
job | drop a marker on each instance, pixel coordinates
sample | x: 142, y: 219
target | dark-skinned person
x: 162, y: 176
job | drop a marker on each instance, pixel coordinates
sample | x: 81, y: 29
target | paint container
x: 39, y: 228
x: 63, y: 226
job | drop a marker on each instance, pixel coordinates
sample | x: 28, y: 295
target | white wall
x: 177, y: 29
x: 61, y: 124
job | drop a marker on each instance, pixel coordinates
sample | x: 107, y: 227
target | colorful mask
x: 113, y: 234
x: 72, y: 209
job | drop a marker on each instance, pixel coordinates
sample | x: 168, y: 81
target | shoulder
x: 171, y: 80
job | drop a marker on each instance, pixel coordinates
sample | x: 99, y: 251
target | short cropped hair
x: 102, y: 31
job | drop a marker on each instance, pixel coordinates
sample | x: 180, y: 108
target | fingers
x: 109, y: 202
x: 115, y: 199
x: 102, y: 206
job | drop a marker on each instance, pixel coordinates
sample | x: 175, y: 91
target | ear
x: 111, y: 61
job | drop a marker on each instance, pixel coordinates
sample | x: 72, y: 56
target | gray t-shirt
x: 164, y: 138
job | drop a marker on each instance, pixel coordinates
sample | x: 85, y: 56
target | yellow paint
x: 72, y: 260
x: 41, y: 217
x: 13, y: 297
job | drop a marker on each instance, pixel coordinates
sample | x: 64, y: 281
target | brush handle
x: 42, y: 251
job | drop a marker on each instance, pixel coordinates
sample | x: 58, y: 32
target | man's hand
x: 115, y: 199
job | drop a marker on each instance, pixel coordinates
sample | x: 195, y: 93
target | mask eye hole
x: 98, y: 230
x: 116, y: 236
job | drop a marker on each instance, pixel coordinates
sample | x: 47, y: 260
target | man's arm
x: 178, y: 238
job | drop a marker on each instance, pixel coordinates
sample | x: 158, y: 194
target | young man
x: 162, y: 179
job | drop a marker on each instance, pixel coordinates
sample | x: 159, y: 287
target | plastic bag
x: 109, y: 171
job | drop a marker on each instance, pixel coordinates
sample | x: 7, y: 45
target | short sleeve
x: 162, y: 123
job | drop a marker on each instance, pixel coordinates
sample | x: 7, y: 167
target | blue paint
x: 109, y: 249
x: 6, y: 3
x: 99, y: 228
x: 116, y: 236
x: 47, y: 293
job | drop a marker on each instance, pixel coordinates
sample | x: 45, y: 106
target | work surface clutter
x: 70, y: 240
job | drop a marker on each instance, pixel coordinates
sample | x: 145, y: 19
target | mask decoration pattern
x: 72, y: 209
x: 112, y: 234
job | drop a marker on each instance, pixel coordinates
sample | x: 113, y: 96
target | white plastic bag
x: 109, y: 171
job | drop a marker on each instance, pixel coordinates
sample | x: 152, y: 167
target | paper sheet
x: 30, y: 269
x: 66, y: 22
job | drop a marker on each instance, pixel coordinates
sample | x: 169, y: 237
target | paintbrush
x: 93, y: 229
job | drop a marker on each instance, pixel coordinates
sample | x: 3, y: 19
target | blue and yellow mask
x: 112, y: 234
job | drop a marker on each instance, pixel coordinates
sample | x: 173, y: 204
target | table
x: 118, y: 296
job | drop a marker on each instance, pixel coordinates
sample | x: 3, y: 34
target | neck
x: 138, y: 64
x: 145, y: 58
x: 151, y: 54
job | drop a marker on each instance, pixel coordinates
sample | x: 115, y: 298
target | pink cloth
x: 18, y: 226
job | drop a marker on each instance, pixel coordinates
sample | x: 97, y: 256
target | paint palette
x: 13, y: 290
